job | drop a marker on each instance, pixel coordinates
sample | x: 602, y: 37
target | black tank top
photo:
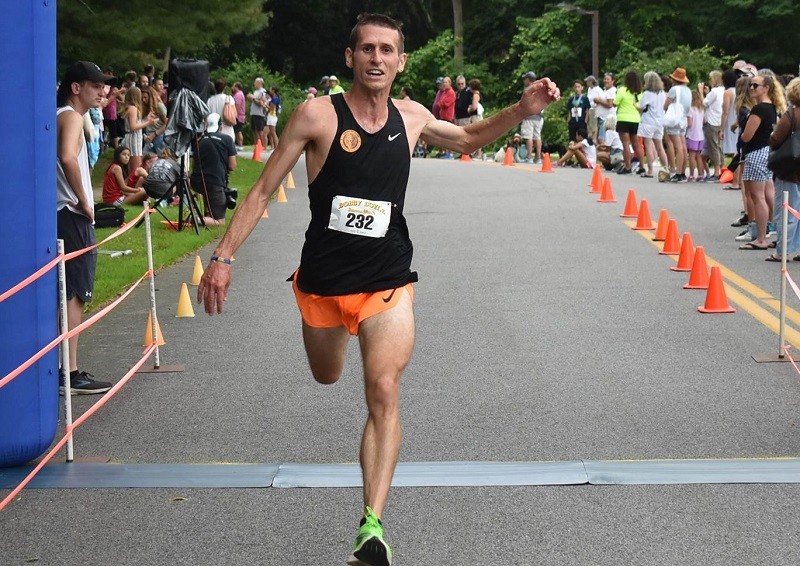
x: 368, y: 166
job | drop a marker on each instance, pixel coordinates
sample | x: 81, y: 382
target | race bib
x: 361, y: 217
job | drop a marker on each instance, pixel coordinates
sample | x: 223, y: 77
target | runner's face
x: 376, y: 59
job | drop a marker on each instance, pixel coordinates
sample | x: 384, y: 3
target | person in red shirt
x: 447, y: 108
x: 447, y: 101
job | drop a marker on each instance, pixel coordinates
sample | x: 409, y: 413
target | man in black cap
x: 81, y: 89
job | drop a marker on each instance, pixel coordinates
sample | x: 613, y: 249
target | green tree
x: 135, y: 32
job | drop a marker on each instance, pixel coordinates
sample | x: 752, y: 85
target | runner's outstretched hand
x: 213, y: 288
x: 539, y: 95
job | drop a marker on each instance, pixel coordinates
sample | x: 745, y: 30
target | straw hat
x: 679, y: 75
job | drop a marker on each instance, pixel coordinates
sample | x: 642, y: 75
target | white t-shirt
x: 593, y: 93
x: 603, y: 112
x: 590, y: 151
x: 713, y: 104
x: 255, y: 109
x: 65, y: 192
x: 613, y: 140
x: 653, y: 102
x: 217, y: 104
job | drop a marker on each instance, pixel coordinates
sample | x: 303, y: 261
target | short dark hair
x: 582, y: 133
x: 219, y: 86
x: 379, y: 20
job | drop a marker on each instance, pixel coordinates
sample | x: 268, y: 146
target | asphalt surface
x: 547, y: 330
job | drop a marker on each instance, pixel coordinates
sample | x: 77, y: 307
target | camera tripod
x: 187, y: 199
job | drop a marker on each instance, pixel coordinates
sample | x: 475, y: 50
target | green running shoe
x: 370, y: 549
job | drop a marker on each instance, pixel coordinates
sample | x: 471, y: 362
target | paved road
x: 548, y: 330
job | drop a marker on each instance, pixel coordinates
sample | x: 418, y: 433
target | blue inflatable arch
x: 28, y: 320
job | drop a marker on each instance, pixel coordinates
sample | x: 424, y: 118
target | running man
x: 355, y: 273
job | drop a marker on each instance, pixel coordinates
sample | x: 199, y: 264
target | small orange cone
x: 686, y: 257
x: 608, y: 193
x: 198, y: 271
x: 257, y: 151
x: 597, y: 175
x: 290, y: 181
x: 698, y: 278
x: 644, y: 221
x: 281, y: 194
x: 465, y: 157
x: 547, y: 167
x: 184, y: 309
x: 508, y: 160
x: 672, y: 243
x: 266, y: 214
x: 631, y: 208
x: 726, y: 176
x: 716, y: 299
x: 663, y: 224
x: 148, y: 333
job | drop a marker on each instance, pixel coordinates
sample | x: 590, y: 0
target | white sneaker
x: 745, y: 236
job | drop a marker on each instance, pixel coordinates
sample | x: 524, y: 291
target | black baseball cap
x: 86, y: 71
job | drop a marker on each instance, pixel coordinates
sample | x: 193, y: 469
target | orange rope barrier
x: 47, y: 267
x: 66, y: 336
x: 71, y: 429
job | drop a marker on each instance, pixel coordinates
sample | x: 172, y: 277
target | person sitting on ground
x: 214, y: 155
x: 609, y: 152
x: 518, y: 151
x: 116, y: 189
x: 137, y: 176
x: 582, y: 149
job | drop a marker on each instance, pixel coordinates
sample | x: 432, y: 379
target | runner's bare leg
x: 387, y: 340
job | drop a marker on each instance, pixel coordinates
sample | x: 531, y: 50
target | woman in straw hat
x: 679, y: 94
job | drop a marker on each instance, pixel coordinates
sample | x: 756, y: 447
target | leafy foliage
x: 130, y: 34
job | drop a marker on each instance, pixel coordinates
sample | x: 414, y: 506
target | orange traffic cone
x: 698, y: 278
x: 148, y: 333
x: 631, y: 208
x: 465, y: 157
x: 672, y: 243
x: 184, y: 304
x: 508, y: 160
x: 663, y: 224
x: 716, y: 299
x: 608, y: 193
x: 547, y: 167
x: 198, y: 271
x: 266, y: 213
x: 686, y: 257
x: 281, y: 194
x: 290, y: 181
x: 597, y: 175
x: 257, y: 151
x: 644, y: 221
x: 726, y: 176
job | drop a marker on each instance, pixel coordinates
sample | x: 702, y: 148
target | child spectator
x: 695, y: 138
x: 582, y: 149
x: 116, y: 189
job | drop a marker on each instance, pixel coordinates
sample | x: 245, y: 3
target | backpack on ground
x: 108, y: 215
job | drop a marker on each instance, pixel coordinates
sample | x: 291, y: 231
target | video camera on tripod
x: 187, y: 111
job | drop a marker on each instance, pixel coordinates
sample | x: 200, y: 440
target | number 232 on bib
x: 359, y: 216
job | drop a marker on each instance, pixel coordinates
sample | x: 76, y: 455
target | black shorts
x: 258, y: 123
x: 213, y: 199
x: 111, y: 128
x: 631, y: 128
x: 238, y: 127
x: 77, y: 232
